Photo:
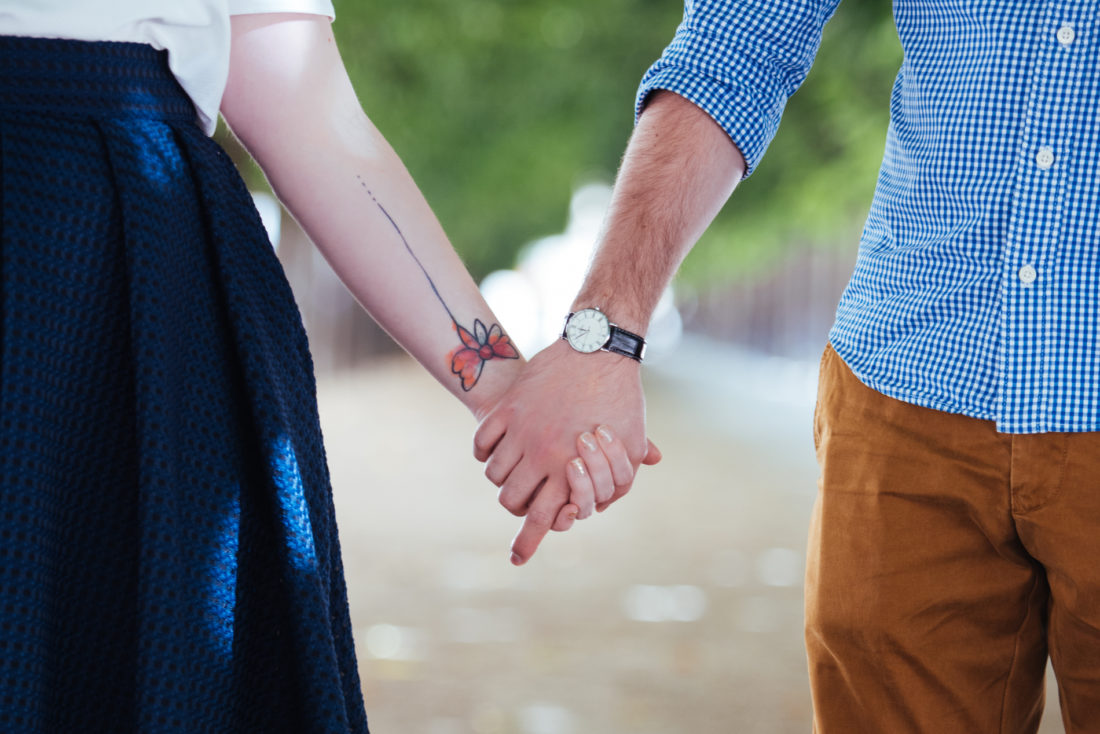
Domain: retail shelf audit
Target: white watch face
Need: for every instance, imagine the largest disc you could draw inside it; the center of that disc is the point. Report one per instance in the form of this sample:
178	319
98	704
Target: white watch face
587	330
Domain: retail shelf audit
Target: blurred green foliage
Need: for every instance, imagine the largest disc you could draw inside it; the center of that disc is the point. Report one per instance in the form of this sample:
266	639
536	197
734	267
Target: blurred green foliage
501	107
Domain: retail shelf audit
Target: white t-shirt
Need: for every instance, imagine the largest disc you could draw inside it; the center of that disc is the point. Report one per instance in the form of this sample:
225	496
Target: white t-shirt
194	32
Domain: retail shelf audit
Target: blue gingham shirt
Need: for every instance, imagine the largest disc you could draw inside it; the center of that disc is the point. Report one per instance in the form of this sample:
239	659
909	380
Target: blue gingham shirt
977	285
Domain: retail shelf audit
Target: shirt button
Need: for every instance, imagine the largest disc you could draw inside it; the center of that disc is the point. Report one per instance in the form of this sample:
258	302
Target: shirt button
1066	34
1044	158
1027	275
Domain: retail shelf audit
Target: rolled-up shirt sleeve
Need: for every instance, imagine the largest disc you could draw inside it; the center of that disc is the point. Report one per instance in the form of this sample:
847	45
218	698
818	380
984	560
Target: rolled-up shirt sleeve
739	61
310	7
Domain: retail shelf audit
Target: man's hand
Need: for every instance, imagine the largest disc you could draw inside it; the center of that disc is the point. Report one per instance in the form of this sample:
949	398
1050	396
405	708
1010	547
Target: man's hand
551	414
679	168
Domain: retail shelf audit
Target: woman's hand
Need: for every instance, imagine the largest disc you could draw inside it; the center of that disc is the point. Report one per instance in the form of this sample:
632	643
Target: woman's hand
602	472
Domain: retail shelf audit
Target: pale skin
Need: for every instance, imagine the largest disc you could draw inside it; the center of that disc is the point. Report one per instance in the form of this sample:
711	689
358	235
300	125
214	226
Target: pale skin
290	102
678	170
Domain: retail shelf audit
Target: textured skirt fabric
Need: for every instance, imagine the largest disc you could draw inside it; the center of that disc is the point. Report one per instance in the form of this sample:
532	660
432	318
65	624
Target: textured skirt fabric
168	553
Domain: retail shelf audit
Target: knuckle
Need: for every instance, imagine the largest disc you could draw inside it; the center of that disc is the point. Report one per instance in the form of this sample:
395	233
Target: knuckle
482	446
492	473
512	503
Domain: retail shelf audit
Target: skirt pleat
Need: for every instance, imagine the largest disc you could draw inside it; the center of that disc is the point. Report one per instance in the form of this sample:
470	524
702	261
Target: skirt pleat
168	552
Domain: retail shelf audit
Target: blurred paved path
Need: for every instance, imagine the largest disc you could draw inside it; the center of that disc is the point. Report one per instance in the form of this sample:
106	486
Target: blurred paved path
678	610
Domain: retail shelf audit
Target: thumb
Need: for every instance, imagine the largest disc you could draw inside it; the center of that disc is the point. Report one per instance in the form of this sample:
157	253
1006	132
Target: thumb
653	455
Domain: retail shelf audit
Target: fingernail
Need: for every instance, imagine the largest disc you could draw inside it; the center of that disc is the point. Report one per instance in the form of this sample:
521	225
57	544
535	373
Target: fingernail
589	441
516	560
605	434
578	466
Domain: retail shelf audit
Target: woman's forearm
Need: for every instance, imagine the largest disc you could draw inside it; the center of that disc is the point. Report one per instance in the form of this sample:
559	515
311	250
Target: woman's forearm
290	102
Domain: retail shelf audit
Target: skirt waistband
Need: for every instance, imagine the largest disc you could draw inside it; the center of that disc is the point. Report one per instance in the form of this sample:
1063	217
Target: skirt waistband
97	79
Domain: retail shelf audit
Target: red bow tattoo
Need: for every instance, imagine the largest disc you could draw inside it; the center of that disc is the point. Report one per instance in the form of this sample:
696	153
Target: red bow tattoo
478	348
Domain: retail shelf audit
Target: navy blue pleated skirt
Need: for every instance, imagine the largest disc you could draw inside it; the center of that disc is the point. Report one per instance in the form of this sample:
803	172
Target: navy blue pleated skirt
168	552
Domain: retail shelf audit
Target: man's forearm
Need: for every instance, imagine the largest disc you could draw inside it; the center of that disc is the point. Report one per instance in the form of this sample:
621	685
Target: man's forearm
678	170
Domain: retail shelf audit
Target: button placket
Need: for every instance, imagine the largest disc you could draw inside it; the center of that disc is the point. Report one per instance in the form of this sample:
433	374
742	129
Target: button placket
1030	266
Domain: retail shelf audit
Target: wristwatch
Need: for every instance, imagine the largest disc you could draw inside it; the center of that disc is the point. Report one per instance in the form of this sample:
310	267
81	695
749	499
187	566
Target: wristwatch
588	330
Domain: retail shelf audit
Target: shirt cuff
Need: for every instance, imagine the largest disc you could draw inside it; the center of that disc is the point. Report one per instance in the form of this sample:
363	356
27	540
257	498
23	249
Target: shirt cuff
749	110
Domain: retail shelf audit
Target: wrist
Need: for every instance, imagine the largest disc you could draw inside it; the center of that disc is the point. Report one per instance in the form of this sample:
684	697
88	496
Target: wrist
631	317
590	329
491	387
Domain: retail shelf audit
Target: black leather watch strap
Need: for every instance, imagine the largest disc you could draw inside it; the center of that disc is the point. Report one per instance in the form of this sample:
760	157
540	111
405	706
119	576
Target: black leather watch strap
619	341
626	343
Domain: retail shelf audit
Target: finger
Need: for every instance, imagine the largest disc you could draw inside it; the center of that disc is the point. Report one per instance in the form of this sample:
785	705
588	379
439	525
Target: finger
653	455
621	468
620	492
566	517
520	489
488	435
540	517
599	470
581	492
504	459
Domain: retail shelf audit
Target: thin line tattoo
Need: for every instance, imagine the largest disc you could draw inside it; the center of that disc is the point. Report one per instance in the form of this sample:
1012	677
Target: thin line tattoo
478	346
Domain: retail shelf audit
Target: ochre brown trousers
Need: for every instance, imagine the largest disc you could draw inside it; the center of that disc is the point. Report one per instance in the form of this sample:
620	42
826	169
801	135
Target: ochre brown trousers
946	561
